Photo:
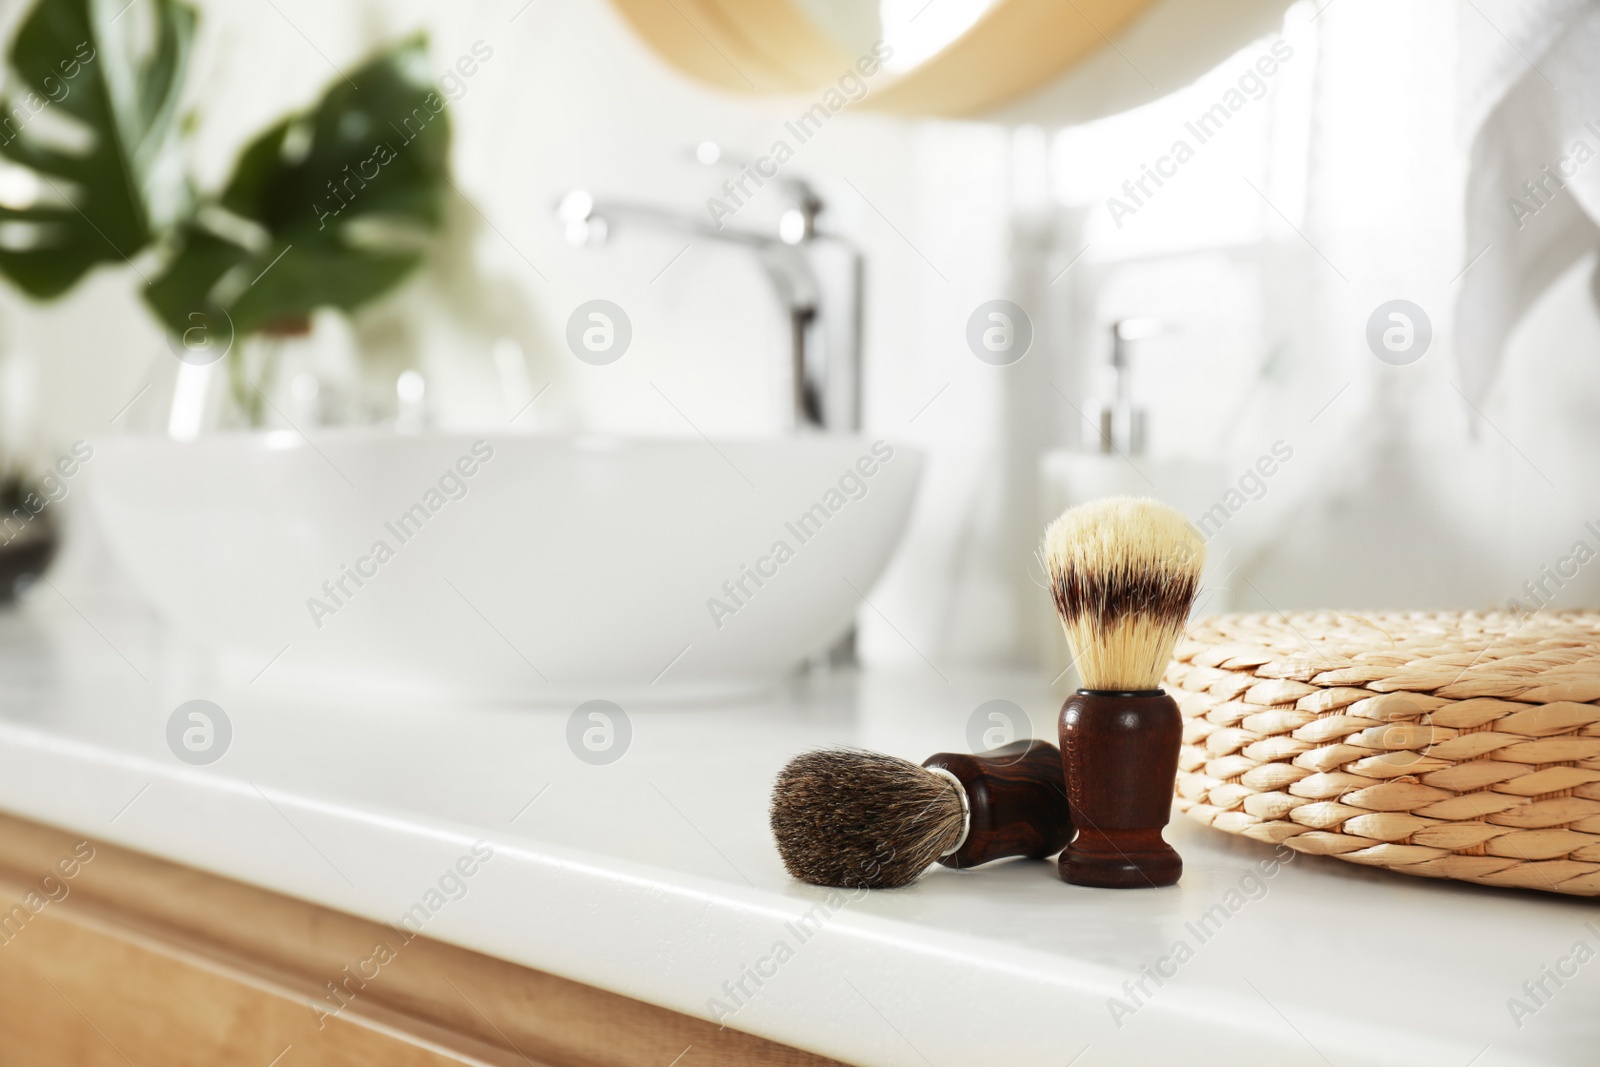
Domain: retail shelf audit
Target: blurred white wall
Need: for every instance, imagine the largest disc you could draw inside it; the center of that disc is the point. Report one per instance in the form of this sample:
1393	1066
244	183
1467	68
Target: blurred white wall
1336	191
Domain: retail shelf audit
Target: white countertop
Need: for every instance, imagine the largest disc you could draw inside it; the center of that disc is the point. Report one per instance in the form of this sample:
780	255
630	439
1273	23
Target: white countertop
655	876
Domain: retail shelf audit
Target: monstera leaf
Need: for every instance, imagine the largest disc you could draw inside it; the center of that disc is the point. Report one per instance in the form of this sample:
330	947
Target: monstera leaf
92	119
328	208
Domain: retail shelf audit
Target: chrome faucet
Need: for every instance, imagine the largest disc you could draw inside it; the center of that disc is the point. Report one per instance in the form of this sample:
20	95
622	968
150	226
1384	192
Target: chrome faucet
817	277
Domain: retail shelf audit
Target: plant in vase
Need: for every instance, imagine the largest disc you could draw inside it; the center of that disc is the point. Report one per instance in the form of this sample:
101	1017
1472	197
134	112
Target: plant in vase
327	208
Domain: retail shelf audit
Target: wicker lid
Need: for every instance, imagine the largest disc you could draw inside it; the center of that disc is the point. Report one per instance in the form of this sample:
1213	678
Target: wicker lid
1442	744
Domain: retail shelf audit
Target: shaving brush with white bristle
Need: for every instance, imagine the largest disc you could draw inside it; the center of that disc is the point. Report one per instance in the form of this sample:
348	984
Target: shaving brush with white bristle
1123	574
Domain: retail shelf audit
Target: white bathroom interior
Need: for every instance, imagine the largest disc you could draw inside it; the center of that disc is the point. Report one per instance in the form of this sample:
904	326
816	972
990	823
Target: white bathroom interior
1203	299
1255	266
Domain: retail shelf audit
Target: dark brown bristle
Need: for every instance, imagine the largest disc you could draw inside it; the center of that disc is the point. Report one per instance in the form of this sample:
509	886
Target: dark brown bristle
1123	575
851	818
1106	597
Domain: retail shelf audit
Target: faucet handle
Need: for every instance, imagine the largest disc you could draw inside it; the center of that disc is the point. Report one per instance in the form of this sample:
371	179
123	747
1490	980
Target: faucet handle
579	221
1125	330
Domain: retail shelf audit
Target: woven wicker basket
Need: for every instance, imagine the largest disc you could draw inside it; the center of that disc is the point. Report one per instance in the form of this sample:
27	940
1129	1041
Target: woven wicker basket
1445	745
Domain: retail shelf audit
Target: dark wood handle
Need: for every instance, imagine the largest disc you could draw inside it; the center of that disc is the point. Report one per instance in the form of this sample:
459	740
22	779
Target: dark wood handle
1018	801
1120	753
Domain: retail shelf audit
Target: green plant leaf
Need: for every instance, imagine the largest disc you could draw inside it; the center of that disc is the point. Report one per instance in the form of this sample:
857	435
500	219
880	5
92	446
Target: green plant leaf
327	208
107	177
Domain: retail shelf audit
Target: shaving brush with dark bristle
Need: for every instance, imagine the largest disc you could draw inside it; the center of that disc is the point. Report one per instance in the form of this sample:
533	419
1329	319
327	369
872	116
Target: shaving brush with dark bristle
851	818
1123	574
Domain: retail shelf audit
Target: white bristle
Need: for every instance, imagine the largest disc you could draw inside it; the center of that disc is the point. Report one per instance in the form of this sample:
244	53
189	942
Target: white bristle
1123	574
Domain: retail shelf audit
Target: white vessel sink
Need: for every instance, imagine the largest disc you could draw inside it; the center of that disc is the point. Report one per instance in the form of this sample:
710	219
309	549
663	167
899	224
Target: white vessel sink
531	569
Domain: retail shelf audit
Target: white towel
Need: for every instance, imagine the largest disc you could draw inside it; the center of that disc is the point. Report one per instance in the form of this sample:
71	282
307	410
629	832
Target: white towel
1533	187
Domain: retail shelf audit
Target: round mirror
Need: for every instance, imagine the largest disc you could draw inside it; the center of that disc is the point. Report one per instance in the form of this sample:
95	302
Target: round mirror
1016	60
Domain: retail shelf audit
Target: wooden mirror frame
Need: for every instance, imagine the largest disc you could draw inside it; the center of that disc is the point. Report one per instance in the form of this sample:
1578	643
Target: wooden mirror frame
772	47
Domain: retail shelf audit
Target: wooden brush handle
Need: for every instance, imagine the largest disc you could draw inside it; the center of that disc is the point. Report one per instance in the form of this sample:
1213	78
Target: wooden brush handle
1017	799
1120	753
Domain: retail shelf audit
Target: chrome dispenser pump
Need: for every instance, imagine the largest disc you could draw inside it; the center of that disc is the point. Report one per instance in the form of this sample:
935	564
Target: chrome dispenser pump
1121	424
